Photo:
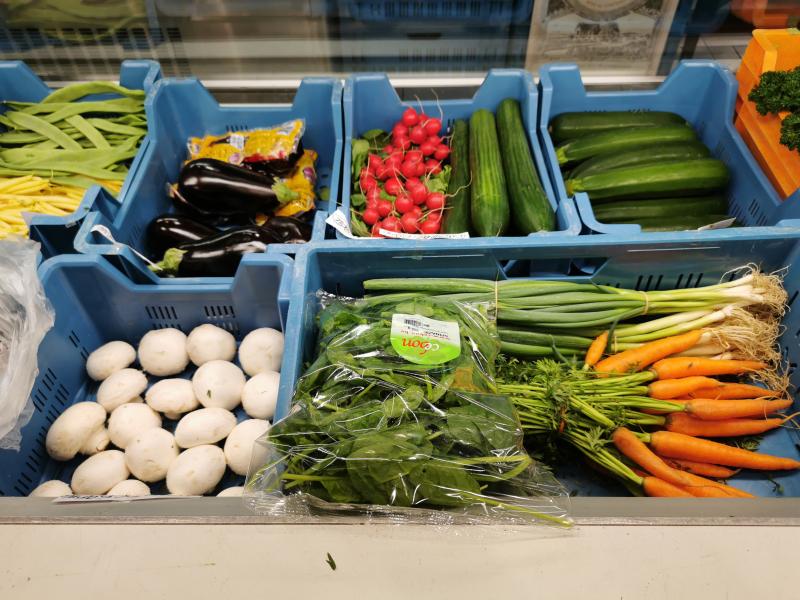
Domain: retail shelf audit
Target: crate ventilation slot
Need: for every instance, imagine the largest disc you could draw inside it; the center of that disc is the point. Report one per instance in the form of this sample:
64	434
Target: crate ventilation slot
76	341
646	285
792	298
158	314
691	280
219	311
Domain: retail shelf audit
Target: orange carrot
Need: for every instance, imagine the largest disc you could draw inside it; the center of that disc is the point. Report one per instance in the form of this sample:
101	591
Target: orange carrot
658	488
674	368
716	410
675	388
596	350
637	359
704	469
678	445
731	391
688	425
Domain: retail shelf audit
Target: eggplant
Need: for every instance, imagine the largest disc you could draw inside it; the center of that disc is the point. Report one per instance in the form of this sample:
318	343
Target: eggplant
217	187
215	256
277	167
167	231
206	218
289	229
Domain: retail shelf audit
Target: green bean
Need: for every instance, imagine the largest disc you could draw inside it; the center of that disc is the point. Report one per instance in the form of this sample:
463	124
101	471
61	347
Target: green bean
46	129
89	132
81	90
112	127
44	170
57	111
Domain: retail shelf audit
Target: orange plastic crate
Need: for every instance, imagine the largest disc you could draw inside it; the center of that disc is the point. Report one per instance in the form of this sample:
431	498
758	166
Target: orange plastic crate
767	14
769	50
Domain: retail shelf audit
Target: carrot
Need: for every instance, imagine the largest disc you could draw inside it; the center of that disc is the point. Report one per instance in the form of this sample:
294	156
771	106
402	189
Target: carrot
667	389
637	359
688	425
678	445
716	410
632	447
658	488
673	368
731	391
706	488
596	350
704	469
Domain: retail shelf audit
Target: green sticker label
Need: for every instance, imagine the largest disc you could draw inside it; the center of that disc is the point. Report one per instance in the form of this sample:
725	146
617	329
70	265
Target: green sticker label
425	341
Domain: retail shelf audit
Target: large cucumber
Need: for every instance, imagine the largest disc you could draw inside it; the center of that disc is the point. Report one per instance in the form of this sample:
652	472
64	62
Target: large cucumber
572	125
456	217
654	208
612	142
489	208
683	178
640	156
530	209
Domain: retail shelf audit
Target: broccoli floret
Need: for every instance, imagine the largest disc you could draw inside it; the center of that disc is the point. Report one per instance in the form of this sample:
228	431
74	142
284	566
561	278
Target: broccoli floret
777	91
790	131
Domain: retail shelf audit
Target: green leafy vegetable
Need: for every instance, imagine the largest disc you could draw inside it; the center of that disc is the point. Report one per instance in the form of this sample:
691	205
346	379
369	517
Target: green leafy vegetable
790	131
777	91
440	182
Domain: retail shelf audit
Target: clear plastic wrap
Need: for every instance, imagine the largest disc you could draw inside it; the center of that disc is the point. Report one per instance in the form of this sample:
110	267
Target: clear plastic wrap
397	418
25	317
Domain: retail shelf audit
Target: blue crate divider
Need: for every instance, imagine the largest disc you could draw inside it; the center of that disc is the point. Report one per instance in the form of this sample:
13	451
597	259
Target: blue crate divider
94	304
371	102
18	82
703	93
496	12
655	263
183	108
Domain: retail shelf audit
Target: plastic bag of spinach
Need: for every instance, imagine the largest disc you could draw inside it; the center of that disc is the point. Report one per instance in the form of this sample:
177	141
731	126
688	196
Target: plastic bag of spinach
397	418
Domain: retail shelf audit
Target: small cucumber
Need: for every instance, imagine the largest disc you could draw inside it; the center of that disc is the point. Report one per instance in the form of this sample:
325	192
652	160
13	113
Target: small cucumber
640	156
653	208
489	207
573	125
613	142
456	217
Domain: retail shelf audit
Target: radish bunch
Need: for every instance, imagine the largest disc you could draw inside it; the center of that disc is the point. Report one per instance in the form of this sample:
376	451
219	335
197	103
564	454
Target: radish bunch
402	181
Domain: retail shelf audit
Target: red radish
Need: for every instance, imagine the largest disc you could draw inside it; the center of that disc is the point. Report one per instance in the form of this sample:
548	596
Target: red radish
442	152
416	211
391	224
420	169
393	186
435	140
384	208
414	156
410	117
399	130
394	160
374	161
427	148
374	194
430	226
370	216
388	149
384	172
432	166
413	182
409	223
367	181
419	194
408	169
417	134
435	215
435	201
403	203
423	117
402	142
376	230
433	126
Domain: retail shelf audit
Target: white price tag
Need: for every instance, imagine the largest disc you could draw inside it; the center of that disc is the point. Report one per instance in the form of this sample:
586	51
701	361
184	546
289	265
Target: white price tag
338	220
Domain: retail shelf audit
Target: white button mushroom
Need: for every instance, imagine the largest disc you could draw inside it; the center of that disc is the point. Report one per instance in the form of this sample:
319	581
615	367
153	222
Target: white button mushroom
128	421
172	397
209	342
239	445
204	426
108	359
99	473
129	487
261	350
196	471
51	489
162	352
121	387
73	428
260	395
231	492
96	442
218	383
150	454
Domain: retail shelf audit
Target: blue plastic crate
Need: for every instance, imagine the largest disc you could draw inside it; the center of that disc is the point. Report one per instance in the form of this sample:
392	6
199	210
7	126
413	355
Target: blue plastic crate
703	93
656	263
18	82
494	12
94	304
370	102
180	109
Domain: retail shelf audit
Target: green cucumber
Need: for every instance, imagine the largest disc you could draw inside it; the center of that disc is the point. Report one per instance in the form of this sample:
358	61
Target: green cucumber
681	178
639	156
653	208
573	125
530	208
613	142
679	223
456	217
489	207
